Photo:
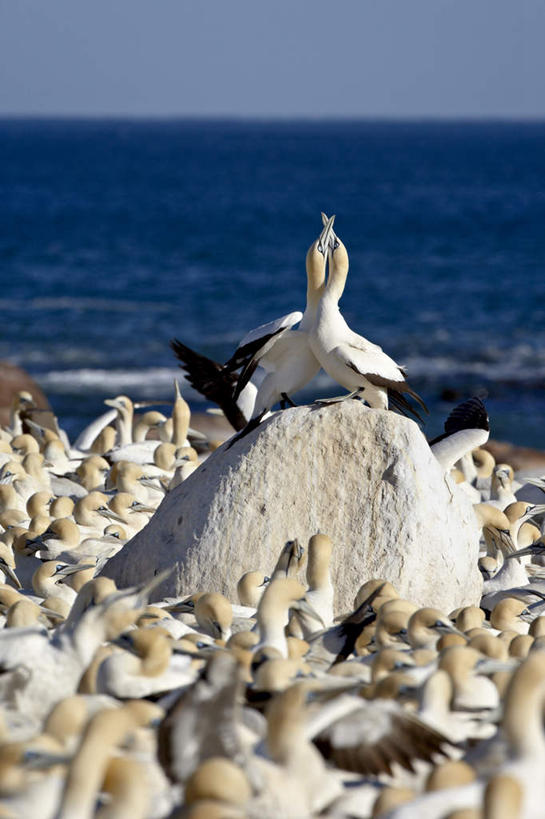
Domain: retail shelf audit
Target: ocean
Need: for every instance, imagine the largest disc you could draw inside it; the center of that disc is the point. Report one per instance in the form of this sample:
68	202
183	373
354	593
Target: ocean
116	235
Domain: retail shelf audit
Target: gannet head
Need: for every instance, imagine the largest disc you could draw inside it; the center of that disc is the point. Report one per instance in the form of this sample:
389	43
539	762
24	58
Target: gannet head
506	615
220	780
291	560
317	256
25	443
250	588
426	626
522	511
7	564
214	614
121	402
37	503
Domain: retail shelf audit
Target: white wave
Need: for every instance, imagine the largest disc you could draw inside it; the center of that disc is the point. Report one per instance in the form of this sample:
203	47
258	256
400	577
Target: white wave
523	366
154	382
83	304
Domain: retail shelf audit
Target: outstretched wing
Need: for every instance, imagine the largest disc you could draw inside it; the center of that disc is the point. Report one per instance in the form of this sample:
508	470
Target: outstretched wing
261	337
210	379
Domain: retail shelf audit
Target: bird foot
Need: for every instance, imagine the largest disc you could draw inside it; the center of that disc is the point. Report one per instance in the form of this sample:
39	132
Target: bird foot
286	401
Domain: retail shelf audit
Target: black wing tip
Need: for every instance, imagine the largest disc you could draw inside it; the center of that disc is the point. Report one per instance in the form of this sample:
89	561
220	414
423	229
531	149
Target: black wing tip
470	414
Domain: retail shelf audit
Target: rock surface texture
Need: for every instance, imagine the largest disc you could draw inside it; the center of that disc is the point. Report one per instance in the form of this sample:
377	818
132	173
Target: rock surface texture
366	478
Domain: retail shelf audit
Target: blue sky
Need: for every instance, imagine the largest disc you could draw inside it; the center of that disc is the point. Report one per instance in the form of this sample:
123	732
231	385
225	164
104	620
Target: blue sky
395	58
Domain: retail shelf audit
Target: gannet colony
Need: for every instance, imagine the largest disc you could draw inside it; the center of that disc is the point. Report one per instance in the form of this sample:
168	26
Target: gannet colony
371	644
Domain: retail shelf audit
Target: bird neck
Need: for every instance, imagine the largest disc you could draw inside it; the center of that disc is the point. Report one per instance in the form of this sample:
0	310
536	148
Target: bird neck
523	708
336	282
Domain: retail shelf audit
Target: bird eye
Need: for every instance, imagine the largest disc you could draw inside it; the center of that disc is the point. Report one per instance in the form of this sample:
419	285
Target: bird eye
190	604
134	503
103	508
438	624
201	645
59	567
115	534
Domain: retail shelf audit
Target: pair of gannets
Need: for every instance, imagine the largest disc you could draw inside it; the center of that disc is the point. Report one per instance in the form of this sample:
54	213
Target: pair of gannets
292	357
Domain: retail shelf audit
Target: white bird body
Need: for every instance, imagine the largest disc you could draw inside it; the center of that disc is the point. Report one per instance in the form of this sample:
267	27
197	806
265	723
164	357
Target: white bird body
345	355
121	676
350	359
285	353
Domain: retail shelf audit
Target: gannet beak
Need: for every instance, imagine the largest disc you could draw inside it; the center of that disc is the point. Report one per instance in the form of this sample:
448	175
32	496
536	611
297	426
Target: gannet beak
488	665
324	237
305	608
140	507
333	242
8	571
445	628
532	549
111	402
38	760
66	571
113	516
538	509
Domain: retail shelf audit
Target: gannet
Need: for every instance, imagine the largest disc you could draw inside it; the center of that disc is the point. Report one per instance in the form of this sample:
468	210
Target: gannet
291	560
472	690
124	418
501	490
426	626
7	564
335	644
466	428
250	588
283	352
146	666
351	360
107	730
92	471
50	579
280	596
369	737
92	514
24	443
320	590
62	507
291	777
62	535
222	782
128	788
203	721
20	402
506	615
214	615
393	623
49	668
132	514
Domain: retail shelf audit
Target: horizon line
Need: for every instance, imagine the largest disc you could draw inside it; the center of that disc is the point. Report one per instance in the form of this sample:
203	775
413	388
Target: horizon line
311	118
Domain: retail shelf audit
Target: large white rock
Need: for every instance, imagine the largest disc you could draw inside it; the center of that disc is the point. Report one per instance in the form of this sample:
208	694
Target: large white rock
365	477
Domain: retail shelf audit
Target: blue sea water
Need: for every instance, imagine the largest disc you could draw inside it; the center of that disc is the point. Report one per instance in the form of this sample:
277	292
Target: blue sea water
117	235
